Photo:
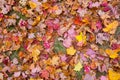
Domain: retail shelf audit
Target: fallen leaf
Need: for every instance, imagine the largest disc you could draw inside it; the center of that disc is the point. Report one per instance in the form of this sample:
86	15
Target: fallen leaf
15	61
101	37
78	66
36	21
63	57
46	5
81	38
32	4
112	53
55	60
91	53
111	28
89	77
1	76
58	47
62	76
113	75
21	16
35	53
117	32
17	74
72	32
103	78
71	51
14	54
67	42
46	44
79	74
77	21
44	74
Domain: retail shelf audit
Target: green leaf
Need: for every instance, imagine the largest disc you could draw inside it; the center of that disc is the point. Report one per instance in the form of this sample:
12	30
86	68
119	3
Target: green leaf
58	47
10	28
21	49
21	15
117	32
98	74
10	74
14	54
104	46
79	74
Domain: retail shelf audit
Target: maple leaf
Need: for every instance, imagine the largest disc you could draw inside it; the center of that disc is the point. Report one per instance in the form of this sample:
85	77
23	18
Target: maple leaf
36	21
78	66
58	47
35	52
55	60
113	75
45	74
81	38
79	74
111	28
32	4
112	53
117	32
71	51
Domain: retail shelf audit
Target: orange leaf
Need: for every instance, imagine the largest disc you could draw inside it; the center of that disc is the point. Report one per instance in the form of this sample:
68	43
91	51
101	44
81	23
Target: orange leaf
77	21
21	54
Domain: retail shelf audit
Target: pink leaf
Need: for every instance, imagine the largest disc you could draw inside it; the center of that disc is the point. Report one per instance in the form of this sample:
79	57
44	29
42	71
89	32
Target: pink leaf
89	77
99	25
17	74
63	57
86	69
71	32
103	78
46	45
91	53
67	42
45	74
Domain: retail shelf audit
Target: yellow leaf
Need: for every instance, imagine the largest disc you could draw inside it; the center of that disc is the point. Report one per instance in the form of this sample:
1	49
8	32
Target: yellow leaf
81	38
78	66
112	53
71	51
55	60
113	75
35	53
111	28
32	4
36	21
